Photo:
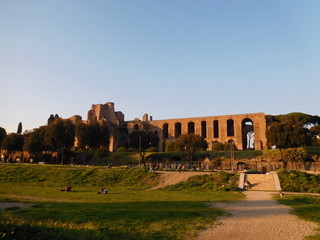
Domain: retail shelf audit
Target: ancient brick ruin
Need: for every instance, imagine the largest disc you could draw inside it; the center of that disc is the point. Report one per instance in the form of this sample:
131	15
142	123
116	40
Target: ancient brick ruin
239	128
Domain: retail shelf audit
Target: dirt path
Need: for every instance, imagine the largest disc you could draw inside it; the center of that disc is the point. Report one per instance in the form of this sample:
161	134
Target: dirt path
170	178
258	217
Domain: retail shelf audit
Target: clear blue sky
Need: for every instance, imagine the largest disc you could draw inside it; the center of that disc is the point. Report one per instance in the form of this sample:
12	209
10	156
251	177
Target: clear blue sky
168	58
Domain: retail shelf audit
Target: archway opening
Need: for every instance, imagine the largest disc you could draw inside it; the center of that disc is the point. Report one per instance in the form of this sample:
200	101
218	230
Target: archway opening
190	127
165	130
204	129
230	128
247	134
177	130
215	128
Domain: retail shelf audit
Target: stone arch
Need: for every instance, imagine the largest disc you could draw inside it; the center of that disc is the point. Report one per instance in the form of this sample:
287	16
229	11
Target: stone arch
216	129
165	130
230	128
177	129
204	129
136	127
247	129
190	127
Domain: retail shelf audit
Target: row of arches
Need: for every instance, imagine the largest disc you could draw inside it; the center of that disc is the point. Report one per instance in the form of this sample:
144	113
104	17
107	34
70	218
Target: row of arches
247	130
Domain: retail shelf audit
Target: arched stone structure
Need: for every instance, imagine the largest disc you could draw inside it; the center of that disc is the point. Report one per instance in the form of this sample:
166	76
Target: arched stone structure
212	128
217	128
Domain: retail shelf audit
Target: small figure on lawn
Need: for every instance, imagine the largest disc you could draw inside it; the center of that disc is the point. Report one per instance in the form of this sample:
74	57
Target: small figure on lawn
247	184
103	191
67	189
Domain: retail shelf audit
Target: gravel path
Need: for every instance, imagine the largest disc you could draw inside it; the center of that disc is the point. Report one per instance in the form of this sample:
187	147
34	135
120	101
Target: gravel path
258	218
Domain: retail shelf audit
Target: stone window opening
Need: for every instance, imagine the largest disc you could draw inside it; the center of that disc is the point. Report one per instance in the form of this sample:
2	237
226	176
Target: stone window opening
177	130
230	128
204	129
190	127
165	130
215	128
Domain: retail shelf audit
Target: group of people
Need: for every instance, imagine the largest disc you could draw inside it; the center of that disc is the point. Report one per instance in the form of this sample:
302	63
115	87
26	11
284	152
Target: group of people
69	188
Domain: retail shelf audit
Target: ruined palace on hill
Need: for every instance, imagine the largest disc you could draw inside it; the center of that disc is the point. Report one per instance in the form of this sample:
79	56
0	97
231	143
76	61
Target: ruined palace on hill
228	128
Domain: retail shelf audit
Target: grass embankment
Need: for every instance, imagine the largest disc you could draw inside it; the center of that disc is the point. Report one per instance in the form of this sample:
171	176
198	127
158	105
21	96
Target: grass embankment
296	181
126	212
305	207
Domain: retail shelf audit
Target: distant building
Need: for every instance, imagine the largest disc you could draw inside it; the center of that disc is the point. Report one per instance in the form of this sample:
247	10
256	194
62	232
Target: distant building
246	131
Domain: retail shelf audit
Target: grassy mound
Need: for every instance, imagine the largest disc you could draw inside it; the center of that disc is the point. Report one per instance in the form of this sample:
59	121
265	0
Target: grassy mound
219	181
81	176
296	181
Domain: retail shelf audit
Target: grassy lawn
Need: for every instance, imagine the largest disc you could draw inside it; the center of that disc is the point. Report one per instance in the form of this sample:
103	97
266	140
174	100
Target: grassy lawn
305	207
126	212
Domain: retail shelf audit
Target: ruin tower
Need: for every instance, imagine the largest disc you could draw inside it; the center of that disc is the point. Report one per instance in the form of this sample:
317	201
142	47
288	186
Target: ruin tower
106	113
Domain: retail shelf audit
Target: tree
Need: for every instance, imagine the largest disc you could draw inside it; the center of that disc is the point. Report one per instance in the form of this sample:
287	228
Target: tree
288	134
35	142
19	131
295	155
191	143
52	118
60	136
217	146
3	135
93	136
141	141
13	143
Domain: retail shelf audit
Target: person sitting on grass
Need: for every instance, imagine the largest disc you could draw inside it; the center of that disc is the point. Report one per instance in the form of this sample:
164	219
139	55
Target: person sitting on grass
67	189
103	191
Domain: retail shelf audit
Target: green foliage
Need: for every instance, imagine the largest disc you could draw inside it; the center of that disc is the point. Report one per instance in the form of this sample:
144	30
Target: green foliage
3	135
13	142
81	176
60	134
35	141
170	146
221	181
217	146
19	130
191	143
93	135
291	130
295	155
141	140
228	145
296	181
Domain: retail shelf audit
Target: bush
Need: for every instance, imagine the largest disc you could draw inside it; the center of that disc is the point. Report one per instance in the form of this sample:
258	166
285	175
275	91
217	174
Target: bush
296	181
217	146
217	181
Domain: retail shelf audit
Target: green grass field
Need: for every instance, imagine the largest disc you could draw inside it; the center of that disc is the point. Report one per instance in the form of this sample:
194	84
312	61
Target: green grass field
126	212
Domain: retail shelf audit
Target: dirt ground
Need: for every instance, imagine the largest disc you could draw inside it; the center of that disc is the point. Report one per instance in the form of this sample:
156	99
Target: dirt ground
170	178
258	217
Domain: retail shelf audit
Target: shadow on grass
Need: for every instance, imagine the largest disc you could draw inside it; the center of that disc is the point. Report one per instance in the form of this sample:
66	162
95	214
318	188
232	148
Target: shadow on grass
126	220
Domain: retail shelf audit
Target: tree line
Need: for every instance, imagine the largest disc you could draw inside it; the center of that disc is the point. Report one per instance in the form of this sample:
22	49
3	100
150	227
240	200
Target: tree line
285	132
57	137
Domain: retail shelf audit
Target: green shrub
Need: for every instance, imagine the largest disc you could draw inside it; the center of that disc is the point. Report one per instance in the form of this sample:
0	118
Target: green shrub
217	181
296	181
217	146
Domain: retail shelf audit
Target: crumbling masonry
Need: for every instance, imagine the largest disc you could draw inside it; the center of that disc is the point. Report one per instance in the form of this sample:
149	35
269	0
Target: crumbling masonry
239	128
